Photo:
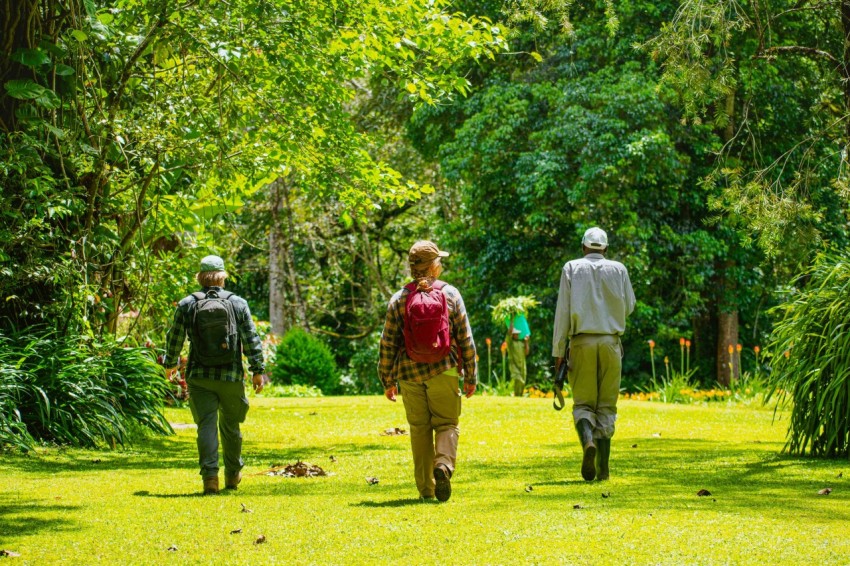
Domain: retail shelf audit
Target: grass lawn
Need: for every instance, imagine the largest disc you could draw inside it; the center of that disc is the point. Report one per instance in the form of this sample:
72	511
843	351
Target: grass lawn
128	507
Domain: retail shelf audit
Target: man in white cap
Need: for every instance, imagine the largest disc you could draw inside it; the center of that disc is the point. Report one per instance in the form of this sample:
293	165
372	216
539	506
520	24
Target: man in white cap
219	326
594	300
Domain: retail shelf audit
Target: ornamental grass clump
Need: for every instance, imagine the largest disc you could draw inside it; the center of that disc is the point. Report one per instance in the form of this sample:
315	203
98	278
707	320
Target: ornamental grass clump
69	389
814	369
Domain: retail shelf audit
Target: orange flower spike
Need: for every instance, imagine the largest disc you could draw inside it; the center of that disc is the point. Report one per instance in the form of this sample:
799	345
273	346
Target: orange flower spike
787	354
504	347
681	341
756	349
731	349
687	343
739	348
488	341
651	344
666	360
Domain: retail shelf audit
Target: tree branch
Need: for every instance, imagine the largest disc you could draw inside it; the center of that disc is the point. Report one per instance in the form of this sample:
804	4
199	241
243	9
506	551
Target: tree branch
798	50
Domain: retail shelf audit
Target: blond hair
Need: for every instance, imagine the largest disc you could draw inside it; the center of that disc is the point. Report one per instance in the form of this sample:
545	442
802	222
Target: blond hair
425	274
211	278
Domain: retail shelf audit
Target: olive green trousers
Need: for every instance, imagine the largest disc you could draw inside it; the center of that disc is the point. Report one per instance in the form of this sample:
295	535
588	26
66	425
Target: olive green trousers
594	376
433	413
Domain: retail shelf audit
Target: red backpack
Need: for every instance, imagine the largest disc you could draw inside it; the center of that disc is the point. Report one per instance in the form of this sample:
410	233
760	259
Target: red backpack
427	334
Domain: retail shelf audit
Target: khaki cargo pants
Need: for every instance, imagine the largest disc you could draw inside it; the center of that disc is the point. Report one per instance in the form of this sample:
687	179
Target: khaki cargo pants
221	403
433	413
594	376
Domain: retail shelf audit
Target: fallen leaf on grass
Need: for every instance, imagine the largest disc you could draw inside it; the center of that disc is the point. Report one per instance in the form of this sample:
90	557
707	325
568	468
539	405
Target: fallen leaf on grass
703	493
96	461
9	553
297	470
371	480
333	458
840	474
825	491
395	431
656	435
313	414
577	506
634	445
235	531
528	488
173	548
260	539
245	509
606	494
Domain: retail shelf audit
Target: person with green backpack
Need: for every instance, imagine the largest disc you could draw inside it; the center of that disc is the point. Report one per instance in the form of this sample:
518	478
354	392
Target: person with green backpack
219	326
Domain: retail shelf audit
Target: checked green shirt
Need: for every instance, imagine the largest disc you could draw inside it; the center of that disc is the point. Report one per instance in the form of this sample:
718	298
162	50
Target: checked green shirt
249	342
393	363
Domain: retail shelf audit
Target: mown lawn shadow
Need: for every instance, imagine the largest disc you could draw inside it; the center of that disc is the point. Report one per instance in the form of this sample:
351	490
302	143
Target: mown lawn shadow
26	517
393	502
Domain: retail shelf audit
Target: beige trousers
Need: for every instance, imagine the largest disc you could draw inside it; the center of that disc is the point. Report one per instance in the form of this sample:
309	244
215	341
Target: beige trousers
594	376
433	413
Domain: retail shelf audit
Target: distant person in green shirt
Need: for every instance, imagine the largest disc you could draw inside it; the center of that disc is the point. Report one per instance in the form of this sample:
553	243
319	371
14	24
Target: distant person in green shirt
518	348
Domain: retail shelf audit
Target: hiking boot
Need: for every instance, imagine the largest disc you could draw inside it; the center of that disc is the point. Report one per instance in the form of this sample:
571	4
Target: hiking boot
211	485
443	490
585	435
231	482
603	452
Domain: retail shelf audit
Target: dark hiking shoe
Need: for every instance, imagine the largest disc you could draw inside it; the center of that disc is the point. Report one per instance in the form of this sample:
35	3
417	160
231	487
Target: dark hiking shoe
443	490
232	482
603	452
211	485
588	462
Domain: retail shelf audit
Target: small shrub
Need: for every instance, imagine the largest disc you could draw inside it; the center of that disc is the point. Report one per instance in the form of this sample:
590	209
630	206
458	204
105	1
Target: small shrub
362	375
300	391
303	359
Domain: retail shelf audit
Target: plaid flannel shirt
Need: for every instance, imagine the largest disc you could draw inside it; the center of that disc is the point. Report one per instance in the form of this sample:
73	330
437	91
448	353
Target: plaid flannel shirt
249	341
393	363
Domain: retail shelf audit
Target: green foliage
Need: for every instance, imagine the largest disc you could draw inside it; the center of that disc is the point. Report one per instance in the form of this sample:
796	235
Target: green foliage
69	390
814	368
361	378
508	308
303	359
295	391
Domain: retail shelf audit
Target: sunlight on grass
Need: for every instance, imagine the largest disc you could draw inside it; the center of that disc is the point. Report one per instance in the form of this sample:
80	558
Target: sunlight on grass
79	506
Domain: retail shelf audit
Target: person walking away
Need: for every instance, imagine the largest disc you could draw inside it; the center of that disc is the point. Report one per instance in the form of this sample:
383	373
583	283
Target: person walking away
219	326
518	340
426	346
594	299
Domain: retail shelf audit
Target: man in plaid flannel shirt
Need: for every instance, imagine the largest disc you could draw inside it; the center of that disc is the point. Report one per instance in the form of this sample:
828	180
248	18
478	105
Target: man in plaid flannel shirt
429	391
217	389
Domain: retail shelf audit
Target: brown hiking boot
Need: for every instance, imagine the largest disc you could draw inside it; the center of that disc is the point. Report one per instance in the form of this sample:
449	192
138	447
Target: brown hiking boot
443	489
211	485
232	482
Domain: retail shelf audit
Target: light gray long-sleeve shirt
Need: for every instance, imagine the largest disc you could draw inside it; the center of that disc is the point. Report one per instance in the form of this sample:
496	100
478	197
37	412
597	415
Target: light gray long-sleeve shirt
595	297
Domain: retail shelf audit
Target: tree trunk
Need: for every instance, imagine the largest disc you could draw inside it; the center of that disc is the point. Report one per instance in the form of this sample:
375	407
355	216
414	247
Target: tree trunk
727	337
278	316
845	75
300	305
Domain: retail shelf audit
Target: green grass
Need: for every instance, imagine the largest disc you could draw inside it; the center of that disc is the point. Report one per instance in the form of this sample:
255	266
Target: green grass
128	507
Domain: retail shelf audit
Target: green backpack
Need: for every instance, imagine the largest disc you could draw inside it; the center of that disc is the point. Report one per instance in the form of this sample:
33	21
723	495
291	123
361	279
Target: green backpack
214	338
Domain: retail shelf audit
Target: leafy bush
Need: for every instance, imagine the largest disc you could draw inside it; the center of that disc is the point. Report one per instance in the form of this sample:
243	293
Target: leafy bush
300	391
362	375
814	367
70	390
303	359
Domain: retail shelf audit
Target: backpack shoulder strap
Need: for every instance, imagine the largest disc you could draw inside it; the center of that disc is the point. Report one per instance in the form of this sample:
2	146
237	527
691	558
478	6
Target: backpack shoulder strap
411	287
438	285
225	295
199	296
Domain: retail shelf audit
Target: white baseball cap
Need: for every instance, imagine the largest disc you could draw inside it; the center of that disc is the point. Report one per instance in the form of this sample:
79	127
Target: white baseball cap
595	238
